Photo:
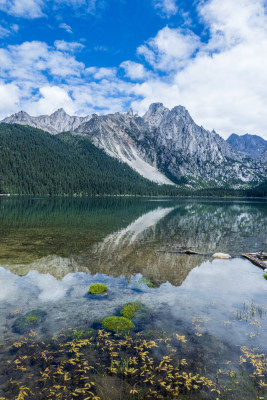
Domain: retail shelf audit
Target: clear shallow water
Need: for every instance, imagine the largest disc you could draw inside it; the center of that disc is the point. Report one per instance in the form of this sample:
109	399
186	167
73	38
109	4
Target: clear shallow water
51	250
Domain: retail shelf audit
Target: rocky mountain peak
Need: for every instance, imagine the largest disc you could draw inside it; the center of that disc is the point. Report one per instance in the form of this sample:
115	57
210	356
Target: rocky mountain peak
155	114
59	112
130	112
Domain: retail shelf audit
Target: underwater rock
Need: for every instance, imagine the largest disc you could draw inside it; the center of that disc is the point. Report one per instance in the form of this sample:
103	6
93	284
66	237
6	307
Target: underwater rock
31	320
222	256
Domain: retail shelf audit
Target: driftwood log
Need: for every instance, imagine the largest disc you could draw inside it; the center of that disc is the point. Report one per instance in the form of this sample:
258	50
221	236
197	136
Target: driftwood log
257	259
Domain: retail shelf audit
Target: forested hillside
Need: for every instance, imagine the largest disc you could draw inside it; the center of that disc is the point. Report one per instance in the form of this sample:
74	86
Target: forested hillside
34	162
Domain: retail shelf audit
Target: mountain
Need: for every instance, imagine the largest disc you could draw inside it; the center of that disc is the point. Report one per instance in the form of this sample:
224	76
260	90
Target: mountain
55	123
164	146
252	145
36	163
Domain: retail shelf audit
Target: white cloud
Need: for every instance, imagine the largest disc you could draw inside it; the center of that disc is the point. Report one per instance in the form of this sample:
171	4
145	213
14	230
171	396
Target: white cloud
53	98
170	49
23	8
66	27
10	95
133	70
166	7
45	78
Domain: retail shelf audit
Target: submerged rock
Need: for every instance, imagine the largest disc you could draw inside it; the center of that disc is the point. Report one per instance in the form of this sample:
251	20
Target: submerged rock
222	256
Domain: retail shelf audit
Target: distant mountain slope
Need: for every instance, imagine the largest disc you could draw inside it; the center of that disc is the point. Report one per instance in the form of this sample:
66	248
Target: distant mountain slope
34	162
252	145
164	146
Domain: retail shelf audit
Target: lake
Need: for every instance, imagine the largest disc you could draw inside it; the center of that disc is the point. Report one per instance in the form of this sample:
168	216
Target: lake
53	249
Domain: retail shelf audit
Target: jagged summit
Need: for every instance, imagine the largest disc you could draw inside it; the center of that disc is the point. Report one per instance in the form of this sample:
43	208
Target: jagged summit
165	146
59	111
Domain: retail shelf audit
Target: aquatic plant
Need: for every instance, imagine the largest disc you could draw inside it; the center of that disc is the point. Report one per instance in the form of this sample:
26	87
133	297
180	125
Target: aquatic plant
114	366
97	288
117	324
129	310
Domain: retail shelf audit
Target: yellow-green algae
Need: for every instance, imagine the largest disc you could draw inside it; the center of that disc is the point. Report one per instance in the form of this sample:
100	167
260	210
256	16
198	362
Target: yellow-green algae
97	288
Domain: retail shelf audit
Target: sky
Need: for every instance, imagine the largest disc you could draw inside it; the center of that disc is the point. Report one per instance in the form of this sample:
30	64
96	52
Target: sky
105	56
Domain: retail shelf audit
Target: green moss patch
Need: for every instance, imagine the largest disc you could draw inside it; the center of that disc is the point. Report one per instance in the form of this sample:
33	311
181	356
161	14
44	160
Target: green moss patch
129	310
117	324
97	288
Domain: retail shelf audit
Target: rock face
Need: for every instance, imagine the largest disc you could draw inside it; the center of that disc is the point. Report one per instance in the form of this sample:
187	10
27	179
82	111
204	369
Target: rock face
252	145
165	146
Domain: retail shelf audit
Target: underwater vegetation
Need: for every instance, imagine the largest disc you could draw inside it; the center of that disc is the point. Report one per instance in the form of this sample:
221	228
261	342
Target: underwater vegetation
97	288
25	323
117	324
82	334
116	366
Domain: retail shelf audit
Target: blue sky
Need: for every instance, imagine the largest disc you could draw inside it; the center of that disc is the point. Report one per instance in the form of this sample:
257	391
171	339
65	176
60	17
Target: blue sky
107	55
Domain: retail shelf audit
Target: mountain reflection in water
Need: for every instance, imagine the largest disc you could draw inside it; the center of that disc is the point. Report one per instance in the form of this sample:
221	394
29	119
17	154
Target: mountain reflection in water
122	237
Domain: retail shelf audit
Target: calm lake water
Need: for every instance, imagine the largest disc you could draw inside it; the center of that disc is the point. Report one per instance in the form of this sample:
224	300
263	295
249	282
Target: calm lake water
52	250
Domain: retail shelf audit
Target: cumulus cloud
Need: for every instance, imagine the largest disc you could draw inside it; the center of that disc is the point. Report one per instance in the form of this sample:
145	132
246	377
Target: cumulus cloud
133	70
166	7
170	49
23	8
53	98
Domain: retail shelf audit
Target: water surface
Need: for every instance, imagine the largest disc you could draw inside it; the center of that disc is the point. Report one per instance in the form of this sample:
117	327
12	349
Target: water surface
51	250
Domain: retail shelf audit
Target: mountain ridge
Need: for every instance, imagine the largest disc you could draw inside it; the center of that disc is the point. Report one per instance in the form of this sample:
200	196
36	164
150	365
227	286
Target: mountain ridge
252	145
164	146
